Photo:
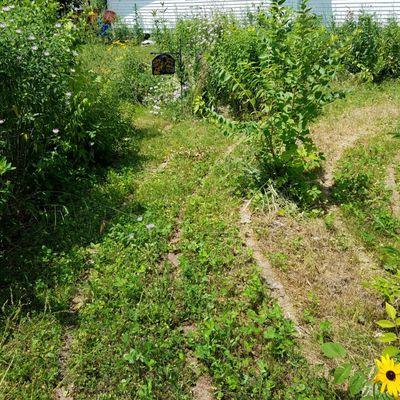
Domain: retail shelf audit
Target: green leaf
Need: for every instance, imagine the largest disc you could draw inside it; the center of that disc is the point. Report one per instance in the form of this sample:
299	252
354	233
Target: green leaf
341	373
270	333
333	350
387	337
391	351
391	311
386	324
357	383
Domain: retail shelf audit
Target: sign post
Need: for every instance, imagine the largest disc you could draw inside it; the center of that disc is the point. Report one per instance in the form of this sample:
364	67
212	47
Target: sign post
164	64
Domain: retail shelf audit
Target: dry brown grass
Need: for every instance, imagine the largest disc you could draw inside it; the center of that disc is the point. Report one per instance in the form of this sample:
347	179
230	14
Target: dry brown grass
335	134
323	272
320	264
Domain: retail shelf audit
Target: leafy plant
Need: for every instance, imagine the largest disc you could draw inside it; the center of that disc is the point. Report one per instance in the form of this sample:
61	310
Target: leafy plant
357	383
276	85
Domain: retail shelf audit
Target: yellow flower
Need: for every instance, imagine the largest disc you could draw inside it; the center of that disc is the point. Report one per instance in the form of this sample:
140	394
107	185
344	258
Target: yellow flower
389	375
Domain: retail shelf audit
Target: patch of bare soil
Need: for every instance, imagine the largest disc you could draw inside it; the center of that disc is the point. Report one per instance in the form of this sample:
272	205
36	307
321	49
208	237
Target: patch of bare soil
203	389
393	186
64	391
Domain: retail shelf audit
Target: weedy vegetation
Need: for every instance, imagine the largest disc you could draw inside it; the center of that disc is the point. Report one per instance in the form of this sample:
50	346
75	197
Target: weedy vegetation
123	268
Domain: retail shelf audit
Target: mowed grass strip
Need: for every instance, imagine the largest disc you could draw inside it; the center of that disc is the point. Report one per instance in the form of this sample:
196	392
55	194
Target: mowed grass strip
145	318
37	309
129	341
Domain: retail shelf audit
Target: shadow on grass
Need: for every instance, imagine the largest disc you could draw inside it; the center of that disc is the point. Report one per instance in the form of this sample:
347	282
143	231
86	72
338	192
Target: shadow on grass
50	253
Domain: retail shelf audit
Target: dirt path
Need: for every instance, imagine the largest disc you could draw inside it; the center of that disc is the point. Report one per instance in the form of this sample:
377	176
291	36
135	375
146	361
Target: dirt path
334	136
314	266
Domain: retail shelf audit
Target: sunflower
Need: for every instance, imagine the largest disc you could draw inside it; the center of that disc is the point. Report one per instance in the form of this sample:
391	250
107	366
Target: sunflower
389	375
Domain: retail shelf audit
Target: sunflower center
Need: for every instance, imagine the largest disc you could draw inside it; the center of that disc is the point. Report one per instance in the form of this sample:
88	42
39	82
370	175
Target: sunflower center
390	375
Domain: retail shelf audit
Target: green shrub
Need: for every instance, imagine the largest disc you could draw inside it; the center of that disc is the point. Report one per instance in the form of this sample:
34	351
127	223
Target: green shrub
133	79
364	36
123	32
54	121
276	77
389	52
374	48
36	65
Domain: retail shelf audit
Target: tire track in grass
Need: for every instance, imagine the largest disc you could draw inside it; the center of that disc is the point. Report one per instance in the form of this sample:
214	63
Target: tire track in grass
278	291
335	135
203	388
392	186
66	391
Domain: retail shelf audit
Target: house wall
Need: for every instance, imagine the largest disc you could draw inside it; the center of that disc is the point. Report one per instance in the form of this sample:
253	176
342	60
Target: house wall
383	9
171	10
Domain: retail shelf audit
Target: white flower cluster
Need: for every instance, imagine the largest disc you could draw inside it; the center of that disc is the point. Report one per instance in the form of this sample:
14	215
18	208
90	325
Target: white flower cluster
167	90
7	8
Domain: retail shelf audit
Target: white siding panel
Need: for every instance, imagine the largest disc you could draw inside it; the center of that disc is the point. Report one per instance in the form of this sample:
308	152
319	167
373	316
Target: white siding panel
382	9
171	10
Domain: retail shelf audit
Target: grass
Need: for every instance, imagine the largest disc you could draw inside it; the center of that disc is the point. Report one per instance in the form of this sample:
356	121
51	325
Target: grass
327	257
142	287
95	306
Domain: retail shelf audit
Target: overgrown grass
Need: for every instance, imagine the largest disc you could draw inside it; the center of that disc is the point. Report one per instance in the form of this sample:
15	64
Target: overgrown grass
367	201
138	319
94	302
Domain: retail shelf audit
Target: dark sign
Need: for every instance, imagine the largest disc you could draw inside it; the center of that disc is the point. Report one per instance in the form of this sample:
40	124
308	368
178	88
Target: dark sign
163	64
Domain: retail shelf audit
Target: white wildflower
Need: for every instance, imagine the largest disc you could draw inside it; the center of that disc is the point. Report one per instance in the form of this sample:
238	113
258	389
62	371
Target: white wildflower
2	25
150	226
34	48
19	31
139	219
46	53
56	130
6	8
57	25
31	37
2	121
68	94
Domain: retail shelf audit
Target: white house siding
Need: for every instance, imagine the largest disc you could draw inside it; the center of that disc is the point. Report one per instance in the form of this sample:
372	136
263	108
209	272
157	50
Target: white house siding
171	10
382	9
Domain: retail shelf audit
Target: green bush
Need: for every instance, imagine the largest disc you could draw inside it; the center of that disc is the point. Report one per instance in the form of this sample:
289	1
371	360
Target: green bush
36	65
121	31
389	51
133	79
363	34
374	48
275	77
54	121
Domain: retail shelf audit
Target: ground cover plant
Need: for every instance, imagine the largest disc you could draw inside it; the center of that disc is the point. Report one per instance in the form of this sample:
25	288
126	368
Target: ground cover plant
165	222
